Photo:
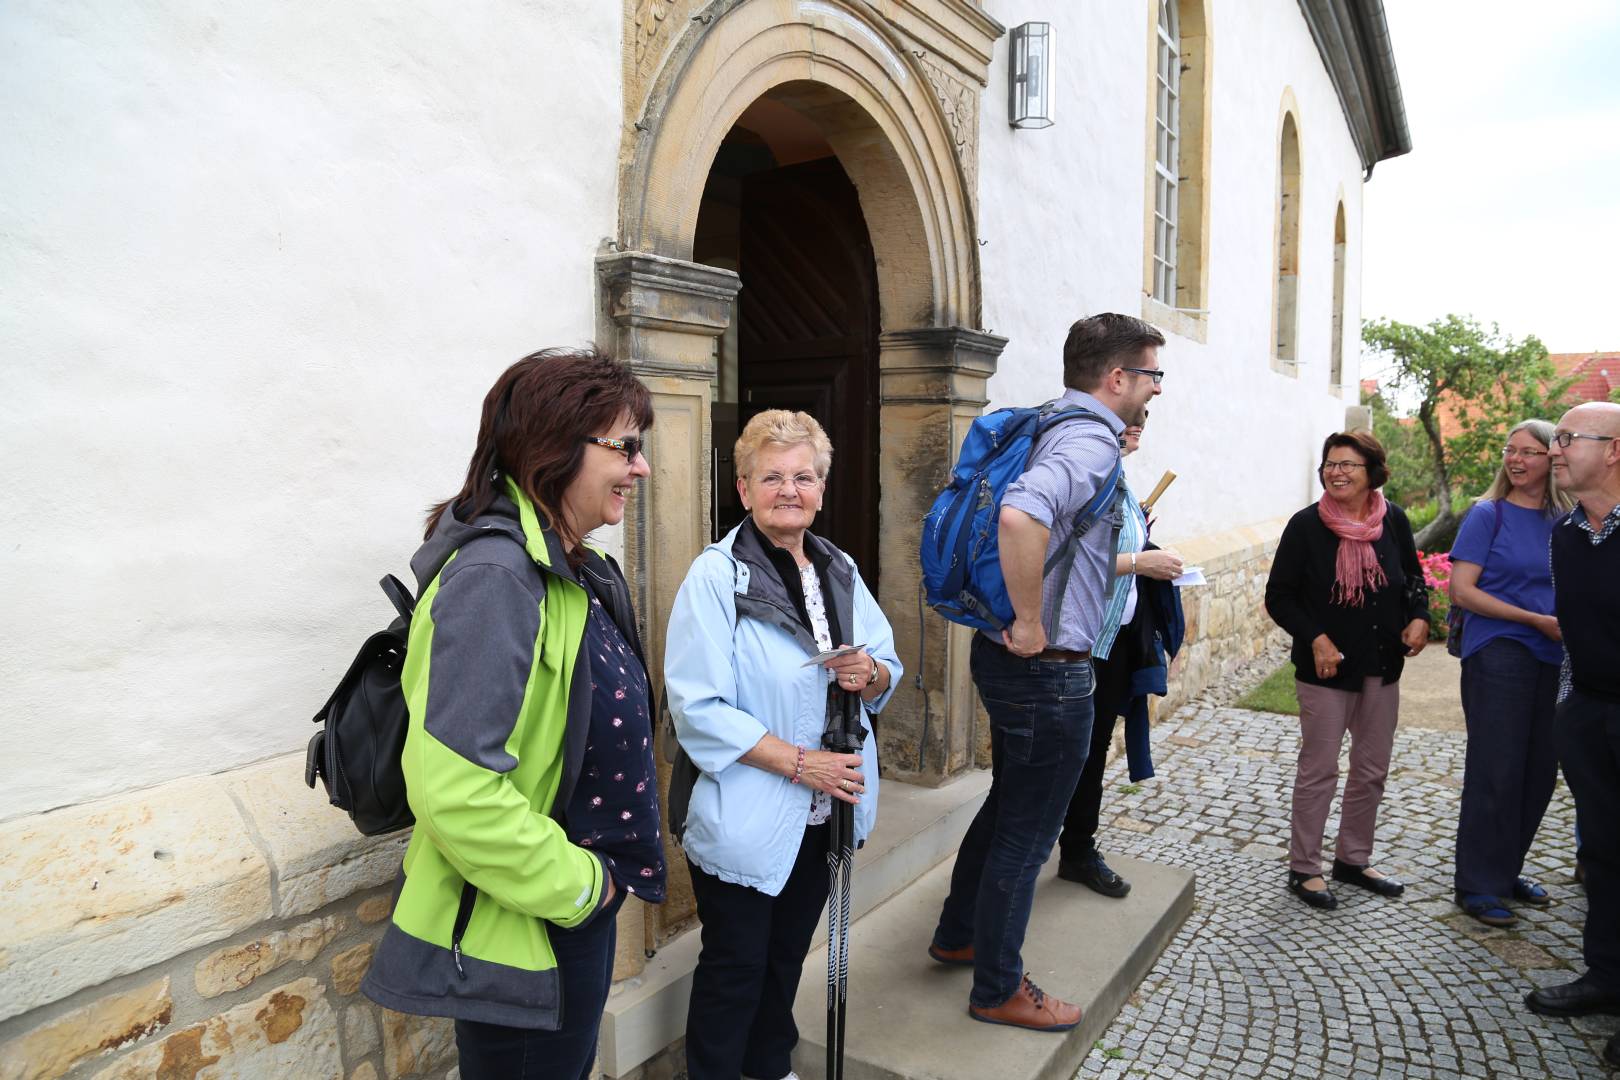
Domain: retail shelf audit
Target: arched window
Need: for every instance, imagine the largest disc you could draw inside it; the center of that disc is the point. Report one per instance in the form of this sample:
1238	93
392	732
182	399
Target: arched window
1285	312
1336	368
1177	167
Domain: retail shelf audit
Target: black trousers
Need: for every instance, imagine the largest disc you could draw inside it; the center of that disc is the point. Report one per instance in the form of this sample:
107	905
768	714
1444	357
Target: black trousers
740	1019
1587	730
1079	837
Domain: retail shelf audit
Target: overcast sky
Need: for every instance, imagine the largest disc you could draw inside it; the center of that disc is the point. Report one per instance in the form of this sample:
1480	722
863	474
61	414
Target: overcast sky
1508	207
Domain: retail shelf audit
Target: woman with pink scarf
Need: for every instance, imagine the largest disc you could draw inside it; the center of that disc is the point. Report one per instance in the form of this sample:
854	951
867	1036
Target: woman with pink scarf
1347	585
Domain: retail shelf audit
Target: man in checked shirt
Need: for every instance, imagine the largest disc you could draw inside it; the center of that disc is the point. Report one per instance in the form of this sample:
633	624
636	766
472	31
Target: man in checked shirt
1585	455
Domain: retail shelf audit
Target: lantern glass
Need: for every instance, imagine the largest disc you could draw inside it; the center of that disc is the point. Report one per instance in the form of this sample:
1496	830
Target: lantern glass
1029	76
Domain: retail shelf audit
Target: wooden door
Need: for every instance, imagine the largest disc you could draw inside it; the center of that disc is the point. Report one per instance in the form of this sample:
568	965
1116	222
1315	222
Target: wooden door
808	330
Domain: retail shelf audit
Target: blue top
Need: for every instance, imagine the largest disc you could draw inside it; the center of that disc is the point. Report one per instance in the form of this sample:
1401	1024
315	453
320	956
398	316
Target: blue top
614	809
1514	569
734	671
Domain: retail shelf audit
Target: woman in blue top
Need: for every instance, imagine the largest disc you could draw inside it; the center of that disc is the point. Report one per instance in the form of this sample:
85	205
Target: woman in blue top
1510	656
750	711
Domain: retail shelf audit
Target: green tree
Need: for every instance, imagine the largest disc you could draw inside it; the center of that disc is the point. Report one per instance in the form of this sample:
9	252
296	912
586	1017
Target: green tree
1411	468
1487	380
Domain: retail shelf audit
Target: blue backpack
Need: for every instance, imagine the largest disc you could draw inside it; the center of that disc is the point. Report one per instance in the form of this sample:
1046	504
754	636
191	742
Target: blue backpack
960	548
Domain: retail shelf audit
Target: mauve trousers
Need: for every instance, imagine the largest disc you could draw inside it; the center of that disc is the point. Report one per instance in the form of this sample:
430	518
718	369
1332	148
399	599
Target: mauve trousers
1325	714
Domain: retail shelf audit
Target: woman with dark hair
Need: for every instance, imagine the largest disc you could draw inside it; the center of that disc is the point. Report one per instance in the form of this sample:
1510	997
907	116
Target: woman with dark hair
1511	651
1347	585
528	761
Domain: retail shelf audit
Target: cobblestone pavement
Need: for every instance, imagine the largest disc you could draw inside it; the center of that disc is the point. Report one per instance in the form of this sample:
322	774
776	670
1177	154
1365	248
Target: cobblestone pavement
1256	984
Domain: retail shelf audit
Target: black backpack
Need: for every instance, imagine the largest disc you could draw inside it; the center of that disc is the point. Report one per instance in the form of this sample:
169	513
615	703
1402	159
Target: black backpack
356	754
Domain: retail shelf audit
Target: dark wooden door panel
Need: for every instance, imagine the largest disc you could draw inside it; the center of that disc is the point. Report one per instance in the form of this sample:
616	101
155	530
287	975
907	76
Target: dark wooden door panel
808	328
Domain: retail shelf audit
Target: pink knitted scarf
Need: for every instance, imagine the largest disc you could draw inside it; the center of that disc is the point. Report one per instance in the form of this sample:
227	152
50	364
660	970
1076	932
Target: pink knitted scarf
1356	568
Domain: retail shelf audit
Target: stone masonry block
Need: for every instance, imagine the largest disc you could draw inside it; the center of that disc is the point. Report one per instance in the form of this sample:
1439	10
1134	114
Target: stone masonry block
235	967
364	1071
375	909
111	887
360	1031
101	1026
316	854
289	1032
413	1044
349	967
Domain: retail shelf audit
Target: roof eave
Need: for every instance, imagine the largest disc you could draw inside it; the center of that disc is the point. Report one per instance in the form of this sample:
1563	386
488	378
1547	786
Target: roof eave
1354	41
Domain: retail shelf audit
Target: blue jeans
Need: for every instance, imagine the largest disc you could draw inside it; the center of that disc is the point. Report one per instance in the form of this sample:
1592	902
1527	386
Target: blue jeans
1040	727
1512	764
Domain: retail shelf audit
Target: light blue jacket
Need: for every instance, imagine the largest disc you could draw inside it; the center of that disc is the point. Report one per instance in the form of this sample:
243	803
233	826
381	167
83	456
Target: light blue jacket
732	673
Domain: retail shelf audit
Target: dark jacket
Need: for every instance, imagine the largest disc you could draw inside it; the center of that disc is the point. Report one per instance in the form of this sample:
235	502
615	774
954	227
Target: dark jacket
1299	599
1143	651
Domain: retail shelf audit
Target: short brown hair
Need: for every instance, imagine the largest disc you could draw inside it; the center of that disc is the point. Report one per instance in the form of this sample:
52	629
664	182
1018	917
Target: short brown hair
1370	449
1098	344
533	428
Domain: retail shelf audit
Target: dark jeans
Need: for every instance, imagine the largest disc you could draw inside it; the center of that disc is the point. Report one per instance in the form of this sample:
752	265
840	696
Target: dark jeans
1040	727
1587	731
1078	841
1511	769
585	961
740	1019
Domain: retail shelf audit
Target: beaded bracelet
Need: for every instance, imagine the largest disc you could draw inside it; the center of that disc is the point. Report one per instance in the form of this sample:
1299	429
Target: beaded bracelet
798	769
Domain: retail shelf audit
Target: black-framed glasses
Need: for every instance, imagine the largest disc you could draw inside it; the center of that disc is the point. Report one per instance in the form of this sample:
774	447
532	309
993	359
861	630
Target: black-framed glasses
1156	374
1564	438
630	447
1342	466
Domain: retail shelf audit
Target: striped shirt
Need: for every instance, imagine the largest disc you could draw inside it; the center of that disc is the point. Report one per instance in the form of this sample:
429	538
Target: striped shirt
1122	597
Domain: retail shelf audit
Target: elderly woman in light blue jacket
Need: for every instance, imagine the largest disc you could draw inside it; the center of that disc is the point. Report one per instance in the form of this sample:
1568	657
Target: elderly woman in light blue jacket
753	608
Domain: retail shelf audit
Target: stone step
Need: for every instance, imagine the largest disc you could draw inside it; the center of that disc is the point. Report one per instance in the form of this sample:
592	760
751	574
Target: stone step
918	827
907	1015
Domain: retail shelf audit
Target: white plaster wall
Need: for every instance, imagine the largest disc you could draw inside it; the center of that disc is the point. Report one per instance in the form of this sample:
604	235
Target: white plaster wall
258	265
1062	211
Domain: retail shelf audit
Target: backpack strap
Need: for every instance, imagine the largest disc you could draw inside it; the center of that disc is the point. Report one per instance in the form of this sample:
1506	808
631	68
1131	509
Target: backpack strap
1110	496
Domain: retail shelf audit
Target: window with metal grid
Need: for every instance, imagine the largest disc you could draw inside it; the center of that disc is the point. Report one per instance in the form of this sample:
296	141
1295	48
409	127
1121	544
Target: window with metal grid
1167	154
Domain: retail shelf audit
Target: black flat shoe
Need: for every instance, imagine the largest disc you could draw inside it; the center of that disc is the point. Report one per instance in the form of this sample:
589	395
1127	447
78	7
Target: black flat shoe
1095	874
1321	899
1582	997
1357	876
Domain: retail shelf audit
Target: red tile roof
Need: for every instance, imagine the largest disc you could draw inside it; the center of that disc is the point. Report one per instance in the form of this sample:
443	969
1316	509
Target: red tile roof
1596	375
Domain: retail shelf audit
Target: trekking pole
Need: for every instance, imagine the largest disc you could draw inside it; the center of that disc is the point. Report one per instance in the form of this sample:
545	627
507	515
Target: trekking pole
844	735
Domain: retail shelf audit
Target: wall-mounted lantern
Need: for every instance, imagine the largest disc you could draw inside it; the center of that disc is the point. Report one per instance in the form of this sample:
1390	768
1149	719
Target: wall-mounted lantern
1029	76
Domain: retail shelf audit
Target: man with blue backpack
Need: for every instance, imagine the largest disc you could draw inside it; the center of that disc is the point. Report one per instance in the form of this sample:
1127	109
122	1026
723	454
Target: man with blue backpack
1021	546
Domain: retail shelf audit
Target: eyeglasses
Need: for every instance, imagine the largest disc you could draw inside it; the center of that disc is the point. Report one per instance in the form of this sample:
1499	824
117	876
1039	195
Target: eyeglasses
1563	438
776	481
631	448
1342	466
1156	374
1514	451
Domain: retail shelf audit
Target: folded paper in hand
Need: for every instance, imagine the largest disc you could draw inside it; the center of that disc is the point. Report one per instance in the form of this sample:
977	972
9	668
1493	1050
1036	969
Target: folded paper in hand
1192	575
832	654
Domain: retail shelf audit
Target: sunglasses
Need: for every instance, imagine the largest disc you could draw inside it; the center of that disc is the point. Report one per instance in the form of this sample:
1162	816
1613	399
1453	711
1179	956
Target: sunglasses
630	448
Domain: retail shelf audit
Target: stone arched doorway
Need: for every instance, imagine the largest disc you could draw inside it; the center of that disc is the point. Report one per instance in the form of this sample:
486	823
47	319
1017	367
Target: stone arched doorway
895	95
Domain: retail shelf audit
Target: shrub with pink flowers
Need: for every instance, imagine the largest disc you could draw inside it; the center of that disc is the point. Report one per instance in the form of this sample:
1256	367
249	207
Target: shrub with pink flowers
1437	576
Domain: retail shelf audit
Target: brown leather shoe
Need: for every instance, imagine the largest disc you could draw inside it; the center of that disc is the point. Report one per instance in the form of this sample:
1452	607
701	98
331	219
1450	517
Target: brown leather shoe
962	957
1031	1007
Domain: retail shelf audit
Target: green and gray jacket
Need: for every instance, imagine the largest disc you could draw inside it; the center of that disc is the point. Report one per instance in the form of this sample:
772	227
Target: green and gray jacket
499	698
